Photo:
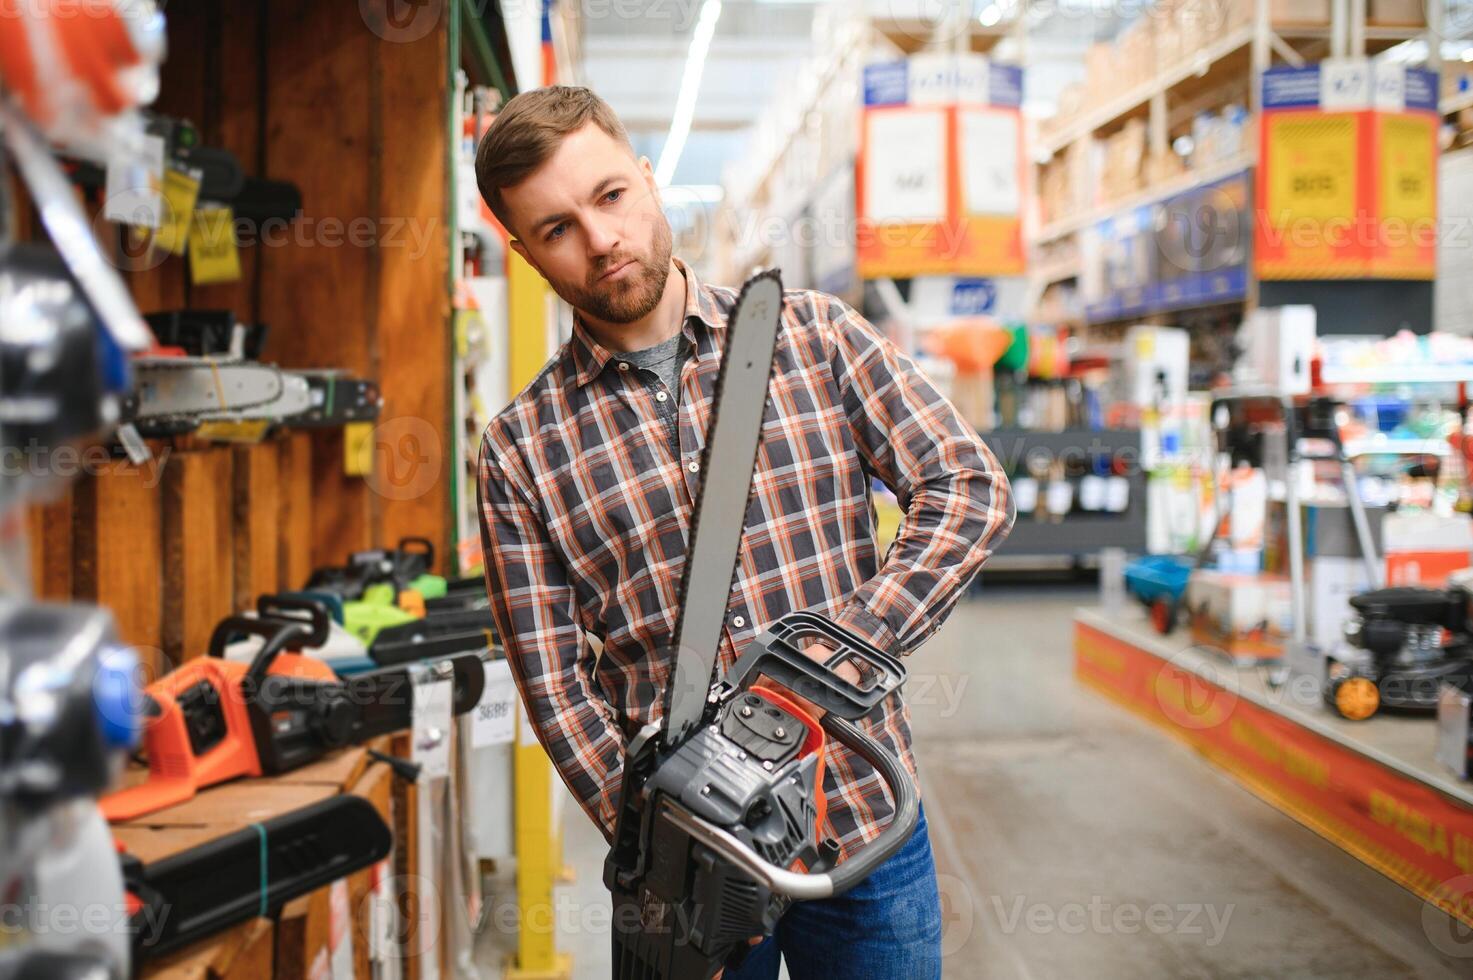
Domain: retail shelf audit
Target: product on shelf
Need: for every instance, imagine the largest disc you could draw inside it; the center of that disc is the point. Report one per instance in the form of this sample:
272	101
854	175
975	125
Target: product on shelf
214	719
256	870
1400	647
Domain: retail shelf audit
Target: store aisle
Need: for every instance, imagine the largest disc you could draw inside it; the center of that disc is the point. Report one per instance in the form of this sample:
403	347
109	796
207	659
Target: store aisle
1074	840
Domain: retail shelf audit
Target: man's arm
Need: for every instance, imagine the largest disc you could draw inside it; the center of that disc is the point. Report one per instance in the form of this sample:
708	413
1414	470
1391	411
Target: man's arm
957	501
535	612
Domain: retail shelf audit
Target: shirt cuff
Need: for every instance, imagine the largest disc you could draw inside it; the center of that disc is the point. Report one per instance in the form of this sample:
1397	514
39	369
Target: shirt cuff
857	619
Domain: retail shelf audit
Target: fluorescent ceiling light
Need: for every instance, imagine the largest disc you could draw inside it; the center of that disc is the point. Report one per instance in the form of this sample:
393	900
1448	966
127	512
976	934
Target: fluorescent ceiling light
690	86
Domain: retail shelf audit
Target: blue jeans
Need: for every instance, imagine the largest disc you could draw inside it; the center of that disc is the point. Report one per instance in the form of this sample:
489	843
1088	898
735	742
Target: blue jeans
886	927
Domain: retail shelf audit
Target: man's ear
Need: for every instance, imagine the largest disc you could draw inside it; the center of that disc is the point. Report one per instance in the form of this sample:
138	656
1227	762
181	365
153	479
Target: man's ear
520	249
647	171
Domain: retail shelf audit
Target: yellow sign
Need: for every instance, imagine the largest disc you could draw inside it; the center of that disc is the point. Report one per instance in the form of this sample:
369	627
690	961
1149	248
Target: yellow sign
213	256
234	430
358	448
181	191
1312	168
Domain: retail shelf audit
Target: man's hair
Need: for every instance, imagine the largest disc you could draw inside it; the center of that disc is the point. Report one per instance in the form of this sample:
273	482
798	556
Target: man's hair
528	130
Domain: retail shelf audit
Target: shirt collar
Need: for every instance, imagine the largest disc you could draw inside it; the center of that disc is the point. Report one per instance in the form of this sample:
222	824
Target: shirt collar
590	357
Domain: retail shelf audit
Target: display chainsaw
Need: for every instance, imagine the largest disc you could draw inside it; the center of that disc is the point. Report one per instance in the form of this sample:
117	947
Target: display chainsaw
1402	645
717	831
204	372
215	719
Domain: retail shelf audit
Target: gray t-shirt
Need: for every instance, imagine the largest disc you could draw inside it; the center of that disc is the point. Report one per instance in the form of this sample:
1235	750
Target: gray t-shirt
664	359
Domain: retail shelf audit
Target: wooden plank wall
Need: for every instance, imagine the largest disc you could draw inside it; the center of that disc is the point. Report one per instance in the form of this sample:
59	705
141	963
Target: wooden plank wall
314	93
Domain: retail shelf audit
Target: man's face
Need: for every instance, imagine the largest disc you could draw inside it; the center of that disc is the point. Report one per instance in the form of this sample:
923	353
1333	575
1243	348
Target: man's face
589	221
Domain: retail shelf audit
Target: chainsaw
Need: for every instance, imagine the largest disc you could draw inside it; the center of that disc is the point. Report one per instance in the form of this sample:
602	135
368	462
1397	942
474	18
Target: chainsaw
216	719
206	889
721	804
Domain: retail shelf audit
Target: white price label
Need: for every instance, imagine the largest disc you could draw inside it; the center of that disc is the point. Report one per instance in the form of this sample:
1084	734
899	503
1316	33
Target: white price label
431	731
133	192
494	719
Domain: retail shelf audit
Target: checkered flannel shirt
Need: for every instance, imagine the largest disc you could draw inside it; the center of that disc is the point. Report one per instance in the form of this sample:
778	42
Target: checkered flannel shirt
587	481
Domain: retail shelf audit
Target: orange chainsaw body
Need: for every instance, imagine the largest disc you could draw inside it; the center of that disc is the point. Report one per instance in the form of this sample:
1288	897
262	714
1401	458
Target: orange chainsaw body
175	771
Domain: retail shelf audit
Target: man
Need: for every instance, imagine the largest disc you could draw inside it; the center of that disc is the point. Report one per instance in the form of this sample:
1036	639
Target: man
588	478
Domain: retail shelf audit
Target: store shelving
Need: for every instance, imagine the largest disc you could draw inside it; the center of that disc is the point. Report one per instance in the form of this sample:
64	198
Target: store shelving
1192	178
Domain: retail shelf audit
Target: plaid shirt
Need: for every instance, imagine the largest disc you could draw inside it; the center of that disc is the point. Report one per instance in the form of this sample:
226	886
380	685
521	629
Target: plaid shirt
587	481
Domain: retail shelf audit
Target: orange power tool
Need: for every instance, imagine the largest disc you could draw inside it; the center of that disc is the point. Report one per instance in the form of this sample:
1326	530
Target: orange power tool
214	719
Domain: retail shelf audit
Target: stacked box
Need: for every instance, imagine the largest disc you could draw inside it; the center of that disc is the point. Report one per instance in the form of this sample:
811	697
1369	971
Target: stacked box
1396	13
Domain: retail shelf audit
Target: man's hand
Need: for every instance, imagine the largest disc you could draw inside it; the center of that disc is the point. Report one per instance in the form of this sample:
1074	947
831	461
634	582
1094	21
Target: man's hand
846	670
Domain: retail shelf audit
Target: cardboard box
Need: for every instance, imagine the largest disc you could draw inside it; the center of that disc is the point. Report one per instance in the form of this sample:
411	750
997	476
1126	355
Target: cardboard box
1423	548
1396	13
1246	618
1301	13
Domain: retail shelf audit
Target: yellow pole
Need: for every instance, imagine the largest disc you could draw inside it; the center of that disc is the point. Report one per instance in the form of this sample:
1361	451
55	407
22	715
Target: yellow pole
538	839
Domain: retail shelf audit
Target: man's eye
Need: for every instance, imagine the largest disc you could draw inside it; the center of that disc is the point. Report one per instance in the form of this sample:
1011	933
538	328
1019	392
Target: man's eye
613	195
556	232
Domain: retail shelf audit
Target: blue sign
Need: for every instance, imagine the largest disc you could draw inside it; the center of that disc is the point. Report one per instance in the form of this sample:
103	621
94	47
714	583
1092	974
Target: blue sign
1421	89
887	83
970	297
1005	85
1285	87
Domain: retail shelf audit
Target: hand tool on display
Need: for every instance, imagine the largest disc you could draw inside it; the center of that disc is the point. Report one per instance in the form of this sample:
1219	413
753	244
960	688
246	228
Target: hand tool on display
214	719
196	893
69	714
722	805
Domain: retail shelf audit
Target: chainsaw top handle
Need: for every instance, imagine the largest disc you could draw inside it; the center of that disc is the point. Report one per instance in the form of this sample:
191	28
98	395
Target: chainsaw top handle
806	887
278	634
422	546
317	615
778	654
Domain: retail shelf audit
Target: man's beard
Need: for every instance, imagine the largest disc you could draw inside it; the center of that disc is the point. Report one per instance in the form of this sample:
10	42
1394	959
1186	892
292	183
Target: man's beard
634	296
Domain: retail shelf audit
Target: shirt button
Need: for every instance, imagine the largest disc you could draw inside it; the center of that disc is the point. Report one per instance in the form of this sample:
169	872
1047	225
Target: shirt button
660	396
694	466
739	621
623	365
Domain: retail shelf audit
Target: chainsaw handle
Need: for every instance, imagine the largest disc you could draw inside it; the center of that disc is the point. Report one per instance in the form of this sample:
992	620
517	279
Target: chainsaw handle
277	634
806	887
425	547
776	654
278	606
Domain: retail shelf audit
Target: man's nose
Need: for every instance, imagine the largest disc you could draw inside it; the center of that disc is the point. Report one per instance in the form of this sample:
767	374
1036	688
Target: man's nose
604	235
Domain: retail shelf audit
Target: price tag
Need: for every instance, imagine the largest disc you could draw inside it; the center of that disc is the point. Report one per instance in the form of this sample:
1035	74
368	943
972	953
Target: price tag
1059	497
133	444
181	192
133	185
358	448
234	430
1092	493
1117	494
213	256
494	721
430	733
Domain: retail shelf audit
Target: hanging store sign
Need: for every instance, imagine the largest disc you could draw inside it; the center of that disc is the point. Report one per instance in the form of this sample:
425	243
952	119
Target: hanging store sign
940	172
1348	182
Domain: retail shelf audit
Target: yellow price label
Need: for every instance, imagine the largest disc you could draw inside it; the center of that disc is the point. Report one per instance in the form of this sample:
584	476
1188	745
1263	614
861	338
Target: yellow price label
213	256
358	448
180	191
234	430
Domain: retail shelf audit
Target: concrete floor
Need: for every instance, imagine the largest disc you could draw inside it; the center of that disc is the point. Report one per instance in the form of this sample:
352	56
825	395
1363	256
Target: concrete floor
1073	839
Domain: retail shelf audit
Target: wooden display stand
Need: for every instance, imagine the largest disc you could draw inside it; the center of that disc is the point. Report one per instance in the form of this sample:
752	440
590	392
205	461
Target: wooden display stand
309	934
